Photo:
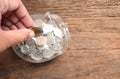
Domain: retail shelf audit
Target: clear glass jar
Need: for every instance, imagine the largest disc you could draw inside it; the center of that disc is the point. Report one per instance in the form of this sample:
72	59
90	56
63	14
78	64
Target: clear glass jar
52	42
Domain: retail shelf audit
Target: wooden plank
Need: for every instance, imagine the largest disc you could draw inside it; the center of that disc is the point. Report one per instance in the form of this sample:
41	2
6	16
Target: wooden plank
94	50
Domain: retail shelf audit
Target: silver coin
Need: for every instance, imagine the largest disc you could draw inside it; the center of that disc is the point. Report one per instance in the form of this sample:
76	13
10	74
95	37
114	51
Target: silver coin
51	39
25	49
30	42
36	55
48	53
38	23
47	28
58	40
41	40
58	32
41	48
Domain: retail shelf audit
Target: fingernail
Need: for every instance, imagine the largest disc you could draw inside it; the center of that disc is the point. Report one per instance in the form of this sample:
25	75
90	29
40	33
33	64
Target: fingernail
32	34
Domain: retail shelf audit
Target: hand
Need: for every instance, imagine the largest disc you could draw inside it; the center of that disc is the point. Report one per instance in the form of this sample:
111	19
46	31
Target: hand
15	22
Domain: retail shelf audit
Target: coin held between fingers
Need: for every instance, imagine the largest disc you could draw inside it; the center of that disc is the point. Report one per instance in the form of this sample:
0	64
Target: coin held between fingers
37	30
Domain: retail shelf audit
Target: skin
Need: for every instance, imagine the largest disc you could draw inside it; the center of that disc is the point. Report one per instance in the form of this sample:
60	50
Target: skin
15	22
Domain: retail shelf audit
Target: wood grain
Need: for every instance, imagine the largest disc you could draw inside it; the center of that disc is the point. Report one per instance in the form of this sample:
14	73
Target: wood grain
94	48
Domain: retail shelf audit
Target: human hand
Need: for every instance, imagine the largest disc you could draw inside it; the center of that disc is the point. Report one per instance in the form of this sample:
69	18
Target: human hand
15	22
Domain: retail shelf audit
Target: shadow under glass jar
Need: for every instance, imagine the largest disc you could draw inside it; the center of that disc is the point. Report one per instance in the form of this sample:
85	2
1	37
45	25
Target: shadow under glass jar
50	40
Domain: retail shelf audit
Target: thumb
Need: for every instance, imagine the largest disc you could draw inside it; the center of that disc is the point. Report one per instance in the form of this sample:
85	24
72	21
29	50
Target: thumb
16	36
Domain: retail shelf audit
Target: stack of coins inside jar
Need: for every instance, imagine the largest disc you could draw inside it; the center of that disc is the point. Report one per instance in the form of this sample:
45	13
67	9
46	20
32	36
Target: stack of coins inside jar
50	40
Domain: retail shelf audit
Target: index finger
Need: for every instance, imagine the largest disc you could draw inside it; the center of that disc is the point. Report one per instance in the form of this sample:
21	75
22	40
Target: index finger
24	16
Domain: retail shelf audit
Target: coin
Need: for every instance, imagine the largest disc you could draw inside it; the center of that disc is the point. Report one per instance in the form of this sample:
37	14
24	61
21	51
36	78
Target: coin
37	30
58	32
30	42
55	47
25	49
41	40
48	53
47	28
36	55
38	23
51	39
41	48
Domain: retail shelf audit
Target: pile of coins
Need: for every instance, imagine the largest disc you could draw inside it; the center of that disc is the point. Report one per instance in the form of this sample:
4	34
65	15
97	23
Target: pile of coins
47	43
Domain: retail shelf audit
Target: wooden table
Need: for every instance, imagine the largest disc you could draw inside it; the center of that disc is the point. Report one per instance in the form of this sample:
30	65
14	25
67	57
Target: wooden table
94	48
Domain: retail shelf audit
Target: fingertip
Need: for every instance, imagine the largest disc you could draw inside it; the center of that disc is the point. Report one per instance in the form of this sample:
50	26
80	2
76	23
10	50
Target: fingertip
17	36
29	33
